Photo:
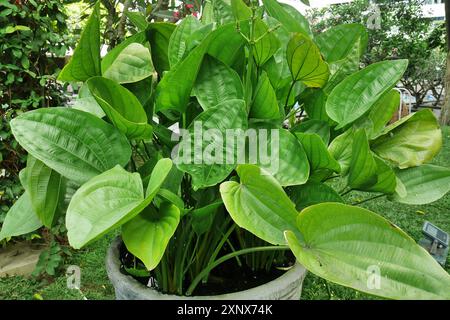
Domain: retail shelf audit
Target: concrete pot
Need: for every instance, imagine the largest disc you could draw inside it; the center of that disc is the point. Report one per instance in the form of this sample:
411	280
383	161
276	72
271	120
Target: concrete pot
286	287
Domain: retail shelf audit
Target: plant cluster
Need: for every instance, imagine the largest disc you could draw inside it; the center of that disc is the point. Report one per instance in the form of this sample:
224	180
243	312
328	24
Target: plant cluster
33	34
113	160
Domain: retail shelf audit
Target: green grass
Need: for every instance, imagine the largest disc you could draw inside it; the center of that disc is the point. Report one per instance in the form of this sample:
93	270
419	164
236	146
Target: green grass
95	284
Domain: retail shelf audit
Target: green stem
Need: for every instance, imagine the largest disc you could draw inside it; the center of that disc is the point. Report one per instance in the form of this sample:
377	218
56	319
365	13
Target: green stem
369	199
221	260
343	193
289	94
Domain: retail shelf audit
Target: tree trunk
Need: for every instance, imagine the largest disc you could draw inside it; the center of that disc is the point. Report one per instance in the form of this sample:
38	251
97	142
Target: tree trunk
123	20
445	110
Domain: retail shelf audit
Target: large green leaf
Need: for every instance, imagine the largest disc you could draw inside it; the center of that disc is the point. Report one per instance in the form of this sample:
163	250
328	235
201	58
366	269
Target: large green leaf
352	246
121	106
267	43
108	201
138	19
320	159
206	158
85	61
357	93
423	184
20	219
203	218
178	43
341	69
159	174
265	104
222	12
285	158
76	144
314	101
386	179
289	17
380	114
319	127
337	42
87	103
240	10
173	92
111	56
341	150
46	189
216	83
363	168
311	193
342	47
411	141
132	64
305	62
159	34
146	236
259	204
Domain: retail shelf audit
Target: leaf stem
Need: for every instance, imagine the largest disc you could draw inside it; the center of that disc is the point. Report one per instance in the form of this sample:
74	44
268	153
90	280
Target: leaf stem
289	93
368	199
343	193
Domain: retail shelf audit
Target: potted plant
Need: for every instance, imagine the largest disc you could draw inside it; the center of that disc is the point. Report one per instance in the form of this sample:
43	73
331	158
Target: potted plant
213	143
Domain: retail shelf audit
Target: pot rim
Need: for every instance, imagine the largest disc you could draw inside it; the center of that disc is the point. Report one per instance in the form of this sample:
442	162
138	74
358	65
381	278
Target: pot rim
116	276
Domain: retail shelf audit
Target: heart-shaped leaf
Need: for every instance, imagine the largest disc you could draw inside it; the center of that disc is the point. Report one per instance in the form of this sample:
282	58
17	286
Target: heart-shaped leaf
305	62
357	248
259	204
146	236
411	141
108	201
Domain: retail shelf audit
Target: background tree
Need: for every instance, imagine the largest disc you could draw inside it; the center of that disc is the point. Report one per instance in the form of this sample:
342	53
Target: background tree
403	32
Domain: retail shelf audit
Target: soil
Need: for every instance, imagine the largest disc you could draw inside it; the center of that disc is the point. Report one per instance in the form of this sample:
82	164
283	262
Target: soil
225	278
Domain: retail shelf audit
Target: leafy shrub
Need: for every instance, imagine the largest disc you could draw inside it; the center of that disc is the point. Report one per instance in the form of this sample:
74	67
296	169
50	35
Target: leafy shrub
106	163
32	35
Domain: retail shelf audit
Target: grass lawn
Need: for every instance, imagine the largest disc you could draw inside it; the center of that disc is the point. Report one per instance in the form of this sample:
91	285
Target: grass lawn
95	284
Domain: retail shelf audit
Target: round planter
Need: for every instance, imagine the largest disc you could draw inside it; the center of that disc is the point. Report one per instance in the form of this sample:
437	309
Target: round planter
286	287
